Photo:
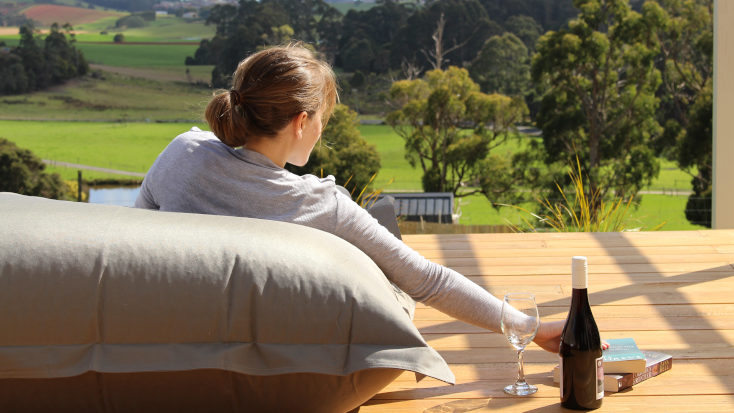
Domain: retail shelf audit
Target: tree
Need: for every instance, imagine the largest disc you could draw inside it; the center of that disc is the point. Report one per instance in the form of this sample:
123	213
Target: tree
436	57
599	101
253	25
376	26
342	152
687	51
32	57
526	29
277	35
695	151
22	172
119	38
13	79
502	66
36	64
131	21
466	24
429	117
550	14
358	55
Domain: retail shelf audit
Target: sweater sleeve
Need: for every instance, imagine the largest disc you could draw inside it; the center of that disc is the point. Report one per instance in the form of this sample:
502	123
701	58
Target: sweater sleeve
432	284
145	197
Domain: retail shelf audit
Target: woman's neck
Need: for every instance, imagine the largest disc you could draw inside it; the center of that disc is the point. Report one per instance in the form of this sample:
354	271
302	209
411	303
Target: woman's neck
275	149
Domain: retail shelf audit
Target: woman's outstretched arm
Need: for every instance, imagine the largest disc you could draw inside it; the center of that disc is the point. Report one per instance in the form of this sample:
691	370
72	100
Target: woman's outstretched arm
432	284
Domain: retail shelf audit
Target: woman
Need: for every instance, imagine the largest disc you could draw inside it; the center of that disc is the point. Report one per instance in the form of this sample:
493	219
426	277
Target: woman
274	115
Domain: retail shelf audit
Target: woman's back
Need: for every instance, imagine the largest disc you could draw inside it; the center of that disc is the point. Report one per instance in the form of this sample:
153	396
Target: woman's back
197	173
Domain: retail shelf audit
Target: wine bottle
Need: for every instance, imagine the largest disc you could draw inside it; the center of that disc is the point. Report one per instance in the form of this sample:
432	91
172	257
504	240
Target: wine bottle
581	368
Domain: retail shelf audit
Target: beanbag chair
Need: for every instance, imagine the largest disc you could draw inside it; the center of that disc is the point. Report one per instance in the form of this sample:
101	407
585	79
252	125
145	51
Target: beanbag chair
113	309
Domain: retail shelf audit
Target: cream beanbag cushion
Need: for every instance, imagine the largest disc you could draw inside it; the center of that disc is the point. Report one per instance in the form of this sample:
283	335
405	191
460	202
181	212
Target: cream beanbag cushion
109	308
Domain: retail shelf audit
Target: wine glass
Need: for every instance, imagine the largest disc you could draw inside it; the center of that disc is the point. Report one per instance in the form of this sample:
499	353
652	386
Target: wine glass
520	323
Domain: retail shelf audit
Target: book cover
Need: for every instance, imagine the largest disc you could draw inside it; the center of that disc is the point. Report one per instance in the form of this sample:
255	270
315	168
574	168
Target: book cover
656	363
623	357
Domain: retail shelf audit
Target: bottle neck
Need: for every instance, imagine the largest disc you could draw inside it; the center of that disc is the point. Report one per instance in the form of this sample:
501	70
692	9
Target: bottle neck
579	298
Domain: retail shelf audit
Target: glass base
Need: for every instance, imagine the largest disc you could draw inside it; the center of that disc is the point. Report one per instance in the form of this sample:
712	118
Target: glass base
520	389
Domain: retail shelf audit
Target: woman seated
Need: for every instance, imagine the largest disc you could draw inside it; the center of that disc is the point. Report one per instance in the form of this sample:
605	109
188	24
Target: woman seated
274	114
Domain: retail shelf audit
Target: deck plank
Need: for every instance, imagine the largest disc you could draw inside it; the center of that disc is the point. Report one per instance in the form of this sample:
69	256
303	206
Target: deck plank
671	291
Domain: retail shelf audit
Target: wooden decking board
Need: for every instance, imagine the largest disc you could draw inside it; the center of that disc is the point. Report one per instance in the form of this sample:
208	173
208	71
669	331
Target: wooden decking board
671	291
474	270
592	260
570	252
466	373
697	340
608	311
662	403
612	324
565	243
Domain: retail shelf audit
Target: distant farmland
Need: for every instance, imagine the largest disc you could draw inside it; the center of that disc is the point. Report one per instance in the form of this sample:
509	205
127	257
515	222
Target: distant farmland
48	14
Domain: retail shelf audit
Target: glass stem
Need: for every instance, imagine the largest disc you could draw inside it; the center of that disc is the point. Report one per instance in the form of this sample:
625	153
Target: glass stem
521	371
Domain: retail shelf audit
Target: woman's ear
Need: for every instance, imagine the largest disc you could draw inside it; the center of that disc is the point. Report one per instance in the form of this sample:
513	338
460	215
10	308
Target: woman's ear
299	124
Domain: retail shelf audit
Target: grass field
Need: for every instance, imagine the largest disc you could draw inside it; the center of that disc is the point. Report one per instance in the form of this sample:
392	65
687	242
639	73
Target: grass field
129	55
134	147
117	97
120	54
123	146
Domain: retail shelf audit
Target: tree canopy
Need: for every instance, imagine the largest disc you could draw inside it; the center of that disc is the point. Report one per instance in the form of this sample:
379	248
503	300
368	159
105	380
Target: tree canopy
502	66
600	99
22	172
432	113
36	64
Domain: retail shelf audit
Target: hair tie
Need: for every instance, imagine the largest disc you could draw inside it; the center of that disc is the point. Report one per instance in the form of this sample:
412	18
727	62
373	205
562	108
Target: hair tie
235	97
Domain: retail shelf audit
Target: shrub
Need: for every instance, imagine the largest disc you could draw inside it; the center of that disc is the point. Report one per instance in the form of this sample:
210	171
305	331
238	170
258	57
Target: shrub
22	172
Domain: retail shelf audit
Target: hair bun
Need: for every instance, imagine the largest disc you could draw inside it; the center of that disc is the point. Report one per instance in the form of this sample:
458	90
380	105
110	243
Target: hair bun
235	97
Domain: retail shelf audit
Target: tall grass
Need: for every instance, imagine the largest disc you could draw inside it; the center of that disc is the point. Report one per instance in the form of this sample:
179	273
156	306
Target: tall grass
583	213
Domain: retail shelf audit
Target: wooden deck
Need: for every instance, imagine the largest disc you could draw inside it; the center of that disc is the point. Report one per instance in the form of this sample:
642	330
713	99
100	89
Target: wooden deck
671	291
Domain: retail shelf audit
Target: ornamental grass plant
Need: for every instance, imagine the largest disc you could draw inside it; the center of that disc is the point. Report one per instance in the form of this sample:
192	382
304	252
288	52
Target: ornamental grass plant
582	211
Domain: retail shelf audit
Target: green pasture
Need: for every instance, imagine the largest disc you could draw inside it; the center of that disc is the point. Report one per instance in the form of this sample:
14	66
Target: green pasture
128	55
102	24
134	147
122	146
121	54
394	165
115	98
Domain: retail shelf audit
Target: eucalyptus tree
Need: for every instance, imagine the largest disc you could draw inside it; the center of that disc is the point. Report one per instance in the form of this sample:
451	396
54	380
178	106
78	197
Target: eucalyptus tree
450	128
687	51
600	80
502	66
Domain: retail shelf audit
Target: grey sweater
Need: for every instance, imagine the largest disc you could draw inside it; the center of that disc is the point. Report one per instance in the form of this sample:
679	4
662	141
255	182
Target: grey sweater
197	173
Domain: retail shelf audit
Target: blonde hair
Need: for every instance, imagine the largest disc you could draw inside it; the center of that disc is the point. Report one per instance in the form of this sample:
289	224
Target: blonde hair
269	89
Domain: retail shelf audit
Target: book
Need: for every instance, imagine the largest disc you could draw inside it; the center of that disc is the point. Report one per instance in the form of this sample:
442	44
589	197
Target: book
623	357
656	363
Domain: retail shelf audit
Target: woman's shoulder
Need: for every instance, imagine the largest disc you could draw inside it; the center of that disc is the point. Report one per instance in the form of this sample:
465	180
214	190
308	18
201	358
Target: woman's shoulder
194	136
321	187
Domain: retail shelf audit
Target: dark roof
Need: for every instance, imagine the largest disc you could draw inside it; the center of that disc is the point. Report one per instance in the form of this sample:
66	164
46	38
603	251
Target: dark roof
422	203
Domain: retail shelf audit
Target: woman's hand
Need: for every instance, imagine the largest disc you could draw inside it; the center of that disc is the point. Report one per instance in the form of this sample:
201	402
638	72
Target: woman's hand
549	336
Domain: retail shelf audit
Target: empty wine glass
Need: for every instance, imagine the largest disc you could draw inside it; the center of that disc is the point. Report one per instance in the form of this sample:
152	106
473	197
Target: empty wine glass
520	323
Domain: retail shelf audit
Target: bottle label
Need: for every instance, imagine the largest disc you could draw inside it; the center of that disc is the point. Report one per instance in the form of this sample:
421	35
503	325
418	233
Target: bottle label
561	374
599	378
